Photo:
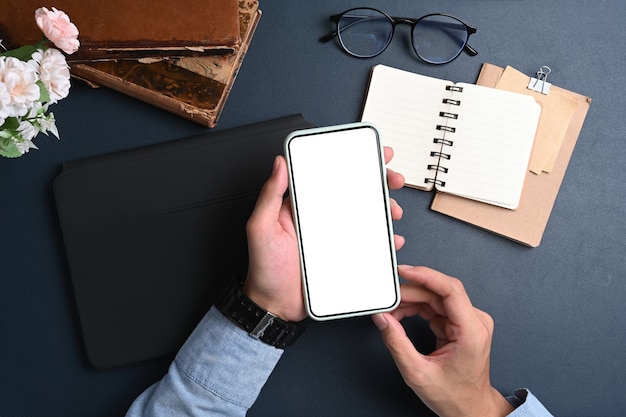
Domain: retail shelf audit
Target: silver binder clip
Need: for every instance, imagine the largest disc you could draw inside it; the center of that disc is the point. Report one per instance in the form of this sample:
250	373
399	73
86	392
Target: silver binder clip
540	83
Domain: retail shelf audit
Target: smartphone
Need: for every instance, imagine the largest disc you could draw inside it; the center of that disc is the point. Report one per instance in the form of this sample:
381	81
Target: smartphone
340	203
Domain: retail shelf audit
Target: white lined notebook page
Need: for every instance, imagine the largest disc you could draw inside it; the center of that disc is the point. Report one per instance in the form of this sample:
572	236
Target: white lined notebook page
492	145
405	108
494	135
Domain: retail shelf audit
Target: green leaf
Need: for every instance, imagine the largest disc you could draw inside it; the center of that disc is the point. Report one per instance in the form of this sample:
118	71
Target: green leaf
24	53
44	95
8	149
11	123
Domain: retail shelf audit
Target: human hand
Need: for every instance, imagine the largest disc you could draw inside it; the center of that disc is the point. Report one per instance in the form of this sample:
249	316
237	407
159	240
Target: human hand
273	280
454	379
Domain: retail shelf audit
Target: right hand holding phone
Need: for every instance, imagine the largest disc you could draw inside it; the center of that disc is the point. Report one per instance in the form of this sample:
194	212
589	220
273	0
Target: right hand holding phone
454	379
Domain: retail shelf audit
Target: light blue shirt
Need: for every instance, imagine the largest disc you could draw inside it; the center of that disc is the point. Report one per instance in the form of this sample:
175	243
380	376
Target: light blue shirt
527	405
220	371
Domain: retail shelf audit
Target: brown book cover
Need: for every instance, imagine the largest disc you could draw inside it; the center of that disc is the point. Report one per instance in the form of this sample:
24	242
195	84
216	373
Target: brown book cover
194	88
527	223
120	29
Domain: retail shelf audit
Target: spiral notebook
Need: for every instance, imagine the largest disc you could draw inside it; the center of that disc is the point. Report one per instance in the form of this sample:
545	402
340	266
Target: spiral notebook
463	139
527	224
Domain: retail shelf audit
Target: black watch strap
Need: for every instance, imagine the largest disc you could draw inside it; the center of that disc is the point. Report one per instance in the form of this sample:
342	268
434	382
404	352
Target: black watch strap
259	323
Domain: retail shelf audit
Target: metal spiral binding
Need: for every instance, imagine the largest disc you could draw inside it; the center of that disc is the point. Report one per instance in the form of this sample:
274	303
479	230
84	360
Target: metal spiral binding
446	128
443	141
438	168
451	101
454	88
448	115
434	181
441	155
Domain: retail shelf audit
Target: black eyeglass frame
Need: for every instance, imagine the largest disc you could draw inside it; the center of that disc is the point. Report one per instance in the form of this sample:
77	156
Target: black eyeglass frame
401	20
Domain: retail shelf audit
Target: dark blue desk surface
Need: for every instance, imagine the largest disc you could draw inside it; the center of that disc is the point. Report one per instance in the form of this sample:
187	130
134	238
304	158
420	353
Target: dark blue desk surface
559	309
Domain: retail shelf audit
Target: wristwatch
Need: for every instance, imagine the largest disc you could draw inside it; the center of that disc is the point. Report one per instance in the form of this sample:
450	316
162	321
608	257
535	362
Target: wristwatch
259	323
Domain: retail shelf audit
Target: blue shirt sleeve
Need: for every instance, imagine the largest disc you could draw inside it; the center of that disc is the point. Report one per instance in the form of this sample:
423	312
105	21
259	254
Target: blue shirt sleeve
527	405
219	371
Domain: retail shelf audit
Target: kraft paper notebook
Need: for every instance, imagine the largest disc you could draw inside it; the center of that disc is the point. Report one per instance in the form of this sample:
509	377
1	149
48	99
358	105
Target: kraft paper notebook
562	124
121	29
462	139
152	234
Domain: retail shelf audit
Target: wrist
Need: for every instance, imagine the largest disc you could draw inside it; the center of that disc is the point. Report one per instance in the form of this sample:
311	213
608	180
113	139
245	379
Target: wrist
265	302
258	322
281	297
501	407
487	402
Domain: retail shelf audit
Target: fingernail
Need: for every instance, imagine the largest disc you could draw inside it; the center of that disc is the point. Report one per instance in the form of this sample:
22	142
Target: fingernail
380	321
276	165
404	267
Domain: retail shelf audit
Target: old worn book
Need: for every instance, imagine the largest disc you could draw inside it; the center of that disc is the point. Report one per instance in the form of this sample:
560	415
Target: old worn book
194	88
120	29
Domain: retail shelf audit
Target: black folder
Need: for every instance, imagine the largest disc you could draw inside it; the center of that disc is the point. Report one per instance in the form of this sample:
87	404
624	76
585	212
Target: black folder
152	234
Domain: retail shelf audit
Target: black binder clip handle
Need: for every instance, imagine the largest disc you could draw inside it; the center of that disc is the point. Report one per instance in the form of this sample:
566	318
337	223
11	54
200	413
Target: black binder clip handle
540	83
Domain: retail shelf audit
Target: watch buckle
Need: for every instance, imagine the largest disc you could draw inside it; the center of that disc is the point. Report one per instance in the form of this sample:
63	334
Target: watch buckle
266	321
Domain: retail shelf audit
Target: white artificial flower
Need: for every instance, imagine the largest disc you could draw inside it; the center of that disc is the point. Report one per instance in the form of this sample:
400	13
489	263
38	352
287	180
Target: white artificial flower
48	124
34	110
54	73
5	100
35	59
27	87
24	146
27	130
20	80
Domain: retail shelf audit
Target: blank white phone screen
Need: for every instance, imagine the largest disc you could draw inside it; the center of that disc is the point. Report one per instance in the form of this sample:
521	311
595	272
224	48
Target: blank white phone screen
340	201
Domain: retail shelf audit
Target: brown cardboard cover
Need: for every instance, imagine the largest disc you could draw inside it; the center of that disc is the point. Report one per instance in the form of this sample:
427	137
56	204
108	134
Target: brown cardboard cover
119	29
525	225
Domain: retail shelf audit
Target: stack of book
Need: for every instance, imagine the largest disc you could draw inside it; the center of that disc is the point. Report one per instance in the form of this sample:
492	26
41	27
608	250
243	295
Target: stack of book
182	57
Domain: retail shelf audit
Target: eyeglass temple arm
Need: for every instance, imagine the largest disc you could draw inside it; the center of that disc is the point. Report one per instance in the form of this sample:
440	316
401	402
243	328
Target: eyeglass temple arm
328	37
470	51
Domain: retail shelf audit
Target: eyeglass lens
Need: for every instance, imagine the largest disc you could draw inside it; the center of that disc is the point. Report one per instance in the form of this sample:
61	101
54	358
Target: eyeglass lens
436	39
364	32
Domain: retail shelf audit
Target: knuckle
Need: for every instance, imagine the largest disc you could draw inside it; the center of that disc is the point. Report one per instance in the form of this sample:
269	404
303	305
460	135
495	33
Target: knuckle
253	227
457	285
488	320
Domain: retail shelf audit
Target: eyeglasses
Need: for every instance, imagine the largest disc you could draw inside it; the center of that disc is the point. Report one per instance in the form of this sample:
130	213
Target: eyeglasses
436	38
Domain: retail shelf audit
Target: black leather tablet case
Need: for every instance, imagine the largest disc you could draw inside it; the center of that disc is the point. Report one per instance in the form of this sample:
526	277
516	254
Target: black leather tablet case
152	234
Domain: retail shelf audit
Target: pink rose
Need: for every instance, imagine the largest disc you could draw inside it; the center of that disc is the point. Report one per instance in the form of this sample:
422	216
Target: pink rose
56	26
